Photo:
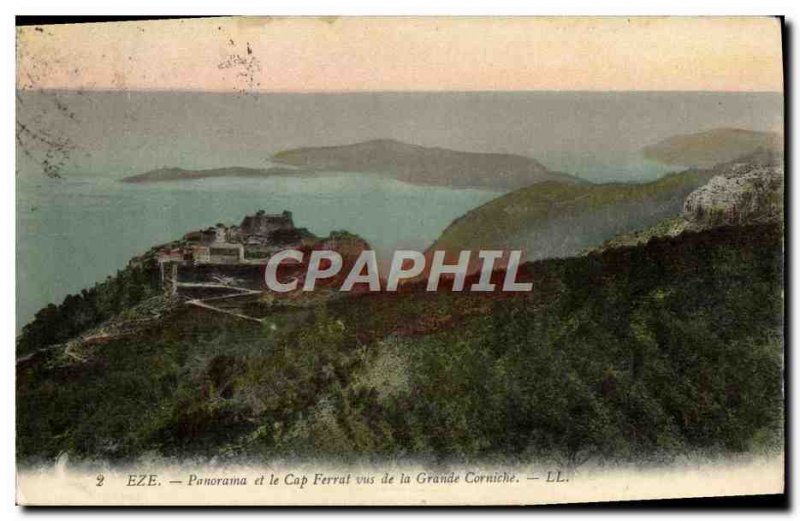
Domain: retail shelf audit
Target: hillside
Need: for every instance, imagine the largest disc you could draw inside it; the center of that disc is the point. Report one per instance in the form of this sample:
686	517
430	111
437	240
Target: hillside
637	354
425	165
139	294
708	148
177	174
749	190
559	219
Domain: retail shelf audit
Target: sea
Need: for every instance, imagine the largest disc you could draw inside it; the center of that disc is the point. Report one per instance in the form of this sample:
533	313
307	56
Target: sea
81	226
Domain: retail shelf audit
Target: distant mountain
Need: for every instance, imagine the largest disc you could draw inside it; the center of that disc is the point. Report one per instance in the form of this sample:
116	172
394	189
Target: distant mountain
177	174
562	219
715	146
426	165
409	163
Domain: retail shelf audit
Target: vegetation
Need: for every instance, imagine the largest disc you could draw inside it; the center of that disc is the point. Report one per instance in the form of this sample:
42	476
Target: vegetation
55	324
637	353
667	227
558	219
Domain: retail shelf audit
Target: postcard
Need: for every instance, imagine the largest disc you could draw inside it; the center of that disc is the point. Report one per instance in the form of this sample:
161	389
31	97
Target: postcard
399	260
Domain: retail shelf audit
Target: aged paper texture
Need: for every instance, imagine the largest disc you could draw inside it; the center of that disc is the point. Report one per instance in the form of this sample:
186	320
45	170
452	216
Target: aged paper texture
399	261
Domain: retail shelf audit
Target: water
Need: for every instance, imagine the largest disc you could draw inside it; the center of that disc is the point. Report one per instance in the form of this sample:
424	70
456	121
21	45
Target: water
597	135
75	231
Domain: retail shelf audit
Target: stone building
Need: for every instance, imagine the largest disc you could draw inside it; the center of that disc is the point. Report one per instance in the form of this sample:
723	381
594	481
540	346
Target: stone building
226	253
263	224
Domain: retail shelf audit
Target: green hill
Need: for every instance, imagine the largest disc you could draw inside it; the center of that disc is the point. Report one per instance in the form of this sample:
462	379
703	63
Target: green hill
642	354
747	191
559	219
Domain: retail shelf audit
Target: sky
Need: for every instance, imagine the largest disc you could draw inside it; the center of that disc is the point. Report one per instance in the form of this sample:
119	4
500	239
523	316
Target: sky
309	54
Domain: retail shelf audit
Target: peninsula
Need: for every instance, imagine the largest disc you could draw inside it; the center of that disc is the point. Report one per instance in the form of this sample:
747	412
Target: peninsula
414	164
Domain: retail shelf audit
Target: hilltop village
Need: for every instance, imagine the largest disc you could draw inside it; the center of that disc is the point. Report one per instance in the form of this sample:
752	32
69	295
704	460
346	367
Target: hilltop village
240	251
243	258
251	242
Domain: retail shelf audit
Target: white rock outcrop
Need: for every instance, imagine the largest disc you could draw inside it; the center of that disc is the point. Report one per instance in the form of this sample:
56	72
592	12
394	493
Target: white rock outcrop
742	193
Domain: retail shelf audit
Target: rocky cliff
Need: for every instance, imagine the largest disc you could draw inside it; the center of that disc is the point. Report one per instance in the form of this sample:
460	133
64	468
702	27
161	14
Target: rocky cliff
745	193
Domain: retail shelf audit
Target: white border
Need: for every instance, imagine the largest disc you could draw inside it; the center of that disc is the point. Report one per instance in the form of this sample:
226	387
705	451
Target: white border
318	7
